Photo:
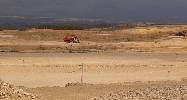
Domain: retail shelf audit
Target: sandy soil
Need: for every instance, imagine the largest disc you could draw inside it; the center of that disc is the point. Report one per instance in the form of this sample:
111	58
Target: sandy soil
43	64
48	70
89	91
29	69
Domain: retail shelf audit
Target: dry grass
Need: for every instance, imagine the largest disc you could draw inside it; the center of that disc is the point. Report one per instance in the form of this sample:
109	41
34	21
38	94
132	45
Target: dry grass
91	40
149	33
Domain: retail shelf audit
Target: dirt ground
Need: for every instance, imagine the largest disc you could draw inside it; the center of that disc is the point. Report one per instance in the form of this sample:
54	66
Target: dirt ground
112	61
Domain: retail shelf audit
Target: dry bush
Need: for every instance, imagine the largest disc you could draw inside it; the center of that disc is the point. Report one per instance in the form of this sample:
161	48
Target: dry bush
145	37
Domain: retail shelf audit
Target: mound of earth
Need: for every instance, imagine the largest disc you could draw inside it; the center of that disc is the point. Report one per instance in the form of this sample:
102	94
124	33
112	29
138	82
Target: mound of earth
149	93
10	92
77	84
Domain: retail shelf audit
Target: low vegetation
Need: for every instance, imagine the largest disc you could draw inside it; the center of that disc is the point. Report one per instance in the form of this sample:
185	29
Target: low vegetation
41	26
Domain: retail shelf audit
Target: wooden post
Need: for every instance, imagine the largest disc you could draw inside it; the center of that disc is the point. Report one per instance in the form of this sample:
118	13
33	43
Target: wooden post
82	69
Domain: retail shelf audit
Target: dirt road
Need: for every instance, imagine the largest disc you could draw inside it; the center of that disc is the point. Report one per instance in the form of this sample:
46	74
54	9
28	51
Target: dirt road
58	69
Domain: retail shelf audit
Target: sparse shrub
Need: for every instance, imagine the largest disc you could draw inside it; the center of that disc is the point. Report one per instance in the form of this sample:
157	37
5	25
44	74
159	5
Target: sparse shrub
14	50
22	29
40	48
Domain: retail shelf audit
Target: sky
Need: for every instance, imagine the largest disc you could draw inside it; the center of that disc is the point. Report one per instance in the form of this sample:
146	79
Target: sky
117	10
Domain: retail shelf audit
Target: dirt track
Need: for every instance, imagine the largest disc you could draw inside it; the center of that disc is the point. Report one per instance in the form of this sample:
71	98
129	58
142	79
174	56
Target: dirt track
58	69
46	70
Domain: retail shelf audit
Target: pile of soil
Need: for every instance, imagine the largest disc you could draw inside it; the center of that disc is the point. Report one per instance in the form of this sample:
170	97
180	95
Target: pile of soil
10	92
149	93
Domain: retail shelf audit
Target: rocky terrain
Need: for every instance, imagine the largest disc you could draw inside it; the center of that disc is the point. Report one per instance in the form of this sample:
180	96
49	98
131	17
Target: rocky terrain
178	92
10	92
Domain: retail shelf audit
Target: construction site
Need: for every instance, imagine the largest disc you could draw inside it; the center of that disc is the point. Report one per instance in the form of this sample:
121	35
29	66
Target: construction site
139	63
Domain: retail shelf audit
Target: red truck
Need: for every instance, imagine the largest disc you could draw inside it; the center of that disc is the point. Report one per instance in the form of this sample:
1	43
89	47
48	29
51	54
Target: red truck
71	38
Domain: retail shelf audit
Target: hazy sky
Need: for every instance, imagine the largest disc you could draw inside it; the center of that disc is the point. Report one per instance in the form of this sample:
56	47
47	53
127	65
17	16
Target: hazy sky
101	9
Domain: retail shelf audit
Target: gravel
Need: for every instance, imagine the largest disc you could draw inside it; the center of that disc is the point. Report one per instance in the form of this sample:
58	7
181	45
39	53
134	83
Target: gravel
177	92
10	92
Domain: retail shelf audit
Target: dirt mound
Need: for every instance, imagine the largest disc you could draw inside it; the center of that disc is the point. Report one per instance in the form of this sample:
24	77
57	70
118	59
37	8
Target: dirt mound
77	84
10	92
149	93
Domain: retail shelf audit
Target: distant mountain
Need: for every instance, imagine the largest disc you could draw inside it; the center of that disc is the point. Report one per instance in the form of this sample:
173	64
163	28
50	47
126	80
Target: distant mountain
22	22
35	20
16	21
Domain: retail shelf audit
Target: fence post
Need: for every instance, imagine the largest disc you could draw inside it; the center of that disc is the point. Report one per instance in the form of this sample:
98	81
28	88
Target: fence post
82	73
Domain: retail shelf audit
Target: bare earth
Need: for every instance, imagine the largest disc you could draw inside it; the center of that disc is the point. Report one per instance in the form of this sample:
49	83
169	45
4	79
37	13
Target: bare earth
44	66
